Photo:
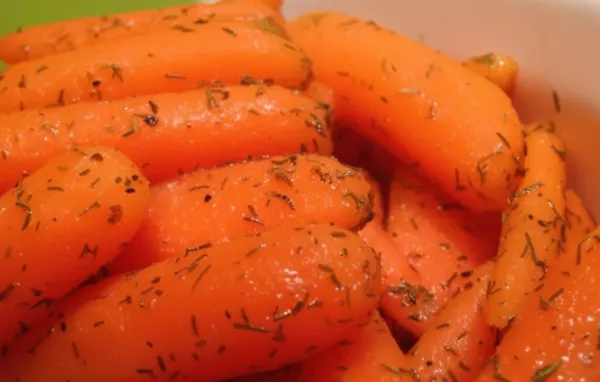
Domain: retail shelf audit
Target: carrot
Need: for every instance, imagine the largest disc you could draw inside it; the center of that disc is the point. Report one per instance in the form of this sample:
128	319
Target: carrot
417	103
275	4
164	61
443	243
320	92
228	202
555	336
501	70
370	354
456	347
170	133
60	225
579	222
531	230
288	292
42	40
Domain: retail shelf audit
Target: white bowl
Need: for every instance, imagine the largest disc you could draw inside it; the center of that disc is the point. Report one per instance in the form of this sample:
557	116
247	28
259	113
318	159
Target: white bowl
553	41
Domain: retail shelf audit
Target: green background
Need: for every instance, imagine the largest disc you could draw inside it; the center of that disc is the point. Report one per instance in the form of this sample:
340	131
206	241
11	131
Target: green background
30	12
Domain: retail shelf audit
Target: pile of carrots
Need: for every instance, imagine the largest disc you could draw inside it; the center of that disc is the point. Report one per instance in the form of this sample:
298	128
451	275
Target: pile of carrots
209	193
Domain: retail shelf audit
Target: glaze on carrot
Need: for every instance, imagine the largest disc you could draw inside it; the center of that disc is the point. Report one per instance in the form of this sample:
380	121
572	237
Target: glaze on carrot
42	40
228	202
164	61
531	230
555	335
502	70
369	354
275	4
579	222
289	292
60	225
459	342
443	243
414	101
168	134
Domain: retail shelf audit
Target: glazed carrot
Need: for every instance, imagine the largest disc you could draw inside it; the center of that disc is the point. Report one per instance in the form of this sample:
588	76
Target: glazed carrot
531	230
396	270
275	4
288	292
42	40
228	202
456	347
170	133
286	374
164	61
60	225
416	102
320	92
443	243
502	70
555	336
579	222
370	354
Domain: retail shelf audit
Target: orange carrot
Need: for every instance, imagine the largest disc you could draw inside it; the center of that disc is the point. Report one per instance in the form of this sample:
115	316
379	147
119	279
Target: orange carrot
502	70
228	202
288	292
275	4
164	61
319	92
60	225
286	374
456	347
370	354
43	40
443	243
170	133
531	230
555	336
579	222
416	102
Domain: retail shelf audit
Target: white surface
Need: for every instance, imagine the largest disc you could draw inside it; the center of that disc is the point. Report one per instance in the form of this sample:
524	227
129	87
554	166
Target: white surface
556	42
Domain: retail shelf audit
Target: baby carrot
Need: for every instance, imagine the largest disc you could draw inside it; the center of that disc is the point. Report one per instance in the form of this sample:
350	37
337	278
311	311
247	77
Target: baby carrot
164	61
555	335
60	225
501	70
275	4
531	230
456	347
289	292
579	222
228	202
416	102
42	40
168	134
370	354
443	243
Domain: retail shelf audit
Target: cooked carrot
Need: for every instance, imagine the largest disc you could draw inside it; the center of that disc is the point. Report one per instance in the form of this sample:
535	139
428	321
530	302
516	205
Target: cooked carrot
456	347
275	4
60	225
442	241
416	102
502	70
320	92
286	374
531	230
42	40
289	292
170	133
370	354
555	336
579	222
232	201
164	61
